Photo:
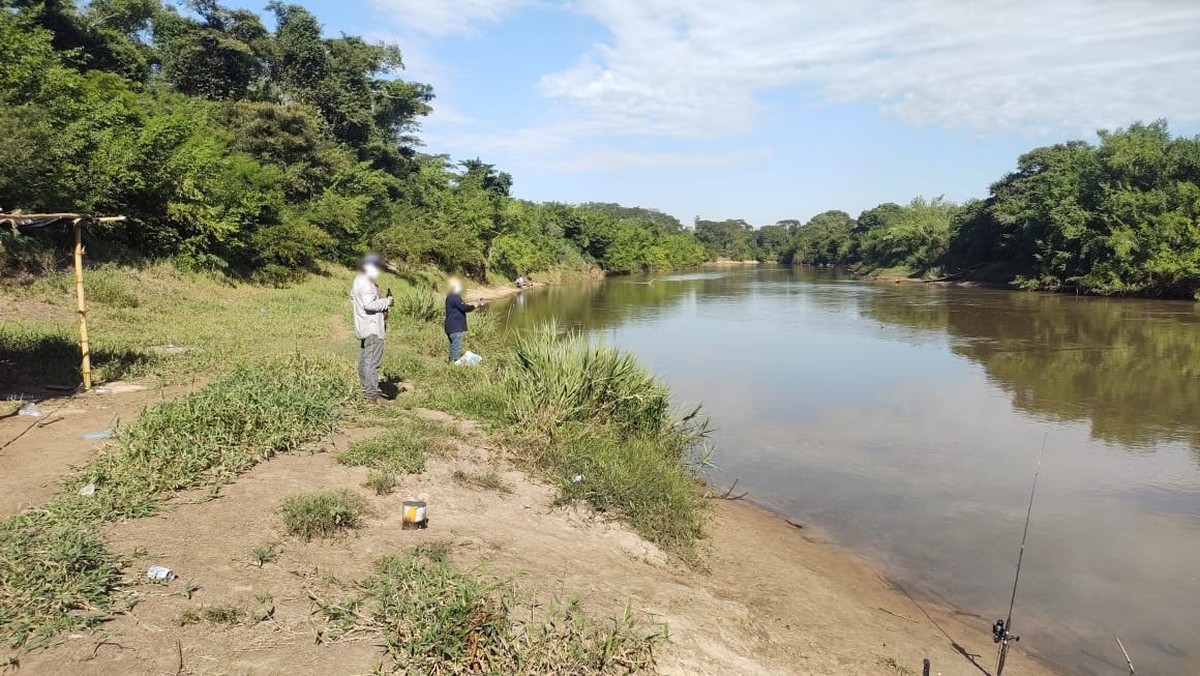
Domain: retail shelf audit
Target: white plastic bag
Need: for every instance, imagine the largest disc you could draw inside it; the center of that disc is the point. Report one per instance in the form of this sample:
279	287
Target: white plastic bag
468	359
32	410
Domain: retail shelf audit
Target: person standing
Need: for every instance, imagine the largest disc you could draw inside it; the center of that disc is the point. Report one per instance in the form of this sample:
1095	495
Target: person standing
370	321
456	318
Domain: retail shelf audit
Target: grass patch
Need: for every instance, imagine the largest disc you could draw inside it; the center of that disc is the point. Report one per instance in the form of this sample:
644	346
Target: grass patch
640	479
435	619
895	666
575	379
57	575
265	554
221	615
397	451
106	285
54	577
321	515
490	481
381	481
402	449
207	437
227	615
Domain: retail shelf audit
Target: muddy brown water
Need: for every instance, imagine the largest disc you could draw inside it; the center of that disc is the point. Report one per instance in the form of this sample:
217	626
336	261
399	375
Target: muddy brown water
905	421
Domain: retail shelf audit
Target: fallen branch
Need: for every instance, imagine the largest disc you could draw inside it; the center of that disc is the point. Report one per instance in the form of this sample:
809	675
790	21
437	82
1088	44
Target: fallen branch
101	643
728	495
903	617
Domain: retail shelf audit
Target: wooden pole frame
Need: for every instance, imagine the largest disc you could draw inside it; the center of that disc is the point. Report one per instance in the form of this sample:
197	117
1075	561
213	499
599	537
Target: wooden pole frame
77	222
80	297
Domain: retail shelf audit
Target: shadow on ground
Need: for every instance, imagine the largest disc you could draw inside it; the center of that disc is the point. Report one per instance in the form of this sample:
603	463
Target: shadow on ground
33	362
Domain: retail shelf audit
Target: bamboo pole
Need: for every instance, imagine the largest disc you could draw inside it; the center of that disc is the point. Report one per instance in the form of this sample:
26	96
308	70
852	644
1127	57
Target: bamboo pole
79	296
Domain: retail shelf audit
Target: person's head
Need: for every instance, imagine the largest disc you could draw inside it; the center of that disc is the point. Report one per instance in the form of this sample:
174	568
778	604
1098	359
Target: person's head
454	284
372	263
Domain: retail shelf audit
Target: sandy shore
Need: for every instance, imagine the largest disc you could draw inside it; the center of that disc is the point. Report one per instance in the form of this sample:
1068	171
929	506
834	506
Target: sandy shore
773	598
726	263
490	293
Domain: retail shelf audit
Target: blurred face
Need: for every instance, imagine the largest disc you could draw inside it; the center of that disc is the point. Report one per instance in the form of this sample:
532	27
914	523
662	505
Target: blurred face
371	271
455	285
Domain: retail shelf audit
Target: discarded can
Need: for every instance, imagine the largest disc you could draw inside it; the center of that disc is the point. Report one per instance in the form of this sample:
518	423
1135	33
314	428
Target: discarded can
414	515
160	574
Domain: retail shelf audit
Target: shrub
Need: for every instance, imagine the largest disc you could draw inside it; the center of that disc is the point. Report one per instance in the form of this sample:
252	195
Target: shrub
321	515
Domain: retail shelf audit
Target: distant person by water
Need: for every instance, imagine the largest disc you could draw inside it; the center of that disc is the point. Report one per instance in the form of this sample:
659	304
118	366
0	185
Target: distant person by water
456	317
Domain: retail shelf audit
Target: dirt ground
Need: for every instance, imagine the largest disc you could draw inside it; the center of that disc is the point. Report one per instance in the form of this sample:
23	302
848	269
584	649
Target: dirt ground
774	600
40	451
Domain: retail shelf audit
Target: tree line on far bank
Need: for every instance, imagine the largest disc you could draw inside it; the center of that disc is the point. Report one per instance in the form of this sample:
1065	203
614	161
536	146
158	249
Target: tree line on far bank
1120	217
257	147
259	152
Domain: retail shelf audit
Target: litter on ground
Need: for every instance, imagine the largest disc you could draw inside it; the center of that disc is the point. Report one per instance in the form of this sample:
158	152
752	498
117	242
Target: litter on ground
468	359
30	410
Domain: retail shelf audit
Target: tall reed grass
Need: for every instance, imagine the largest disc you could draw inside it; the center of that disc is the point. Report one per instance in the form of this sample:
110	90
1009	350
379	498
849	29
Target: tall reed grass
419	304
609	435
572	378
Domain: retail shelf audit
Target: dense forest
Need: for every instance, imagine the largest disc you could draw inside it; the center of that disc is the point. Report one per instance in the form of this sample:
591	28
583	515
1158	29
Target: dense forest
1118	217
256	151
255	146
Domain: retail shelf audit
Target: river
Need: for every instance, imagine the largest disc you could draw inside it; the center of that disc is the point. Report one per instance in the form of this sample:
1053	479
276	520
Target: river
904	421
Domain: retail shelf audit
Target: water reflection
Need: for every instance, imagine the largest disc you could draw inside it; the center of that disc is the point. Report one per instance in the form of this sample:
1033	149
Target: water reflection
1131	368
904	420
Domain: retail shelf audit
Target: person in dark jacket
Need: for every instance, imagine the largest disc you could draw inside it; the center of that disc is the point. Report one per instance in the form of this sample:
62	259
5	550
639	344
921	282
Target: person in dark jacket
456	318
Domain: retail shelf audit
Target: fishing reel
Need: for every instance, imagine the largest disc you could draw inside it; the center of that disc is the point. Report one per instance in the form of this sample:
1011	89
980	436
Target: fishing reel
1000	633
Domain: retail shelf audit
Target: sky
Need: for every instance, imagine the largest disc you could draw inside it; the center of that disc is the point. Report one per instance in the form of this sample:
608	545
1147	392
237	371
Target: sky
774	109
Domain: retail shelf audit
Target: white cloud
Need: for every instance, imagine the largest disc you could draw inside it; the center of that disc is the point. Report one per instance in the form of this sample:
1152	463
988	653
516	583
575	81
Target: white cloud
567	147
699	68
447	17
603	158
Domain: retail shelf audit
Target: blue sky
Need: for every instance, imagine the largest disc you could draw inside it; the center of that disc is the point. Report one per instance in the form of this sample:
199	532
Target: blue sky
772	109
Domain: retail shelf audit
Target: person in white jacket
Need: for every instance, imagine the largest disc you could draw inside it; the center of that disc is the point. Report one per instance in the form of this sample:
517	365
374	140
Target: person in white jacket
370	321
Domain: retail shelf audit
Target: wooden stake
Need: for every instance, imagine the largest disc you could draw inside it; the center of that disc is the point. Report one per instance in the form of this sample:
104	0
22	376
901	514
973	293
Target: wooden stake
84	349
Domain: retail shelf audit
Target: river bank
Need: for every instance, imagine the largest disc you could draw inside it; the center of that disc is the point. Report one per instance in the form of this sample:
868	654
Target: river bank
798	605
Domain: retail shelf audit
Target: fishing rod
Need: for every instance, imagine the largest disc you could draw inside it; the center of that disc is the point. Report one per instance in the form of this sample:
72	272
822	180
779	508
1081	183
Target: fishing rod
1002	629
